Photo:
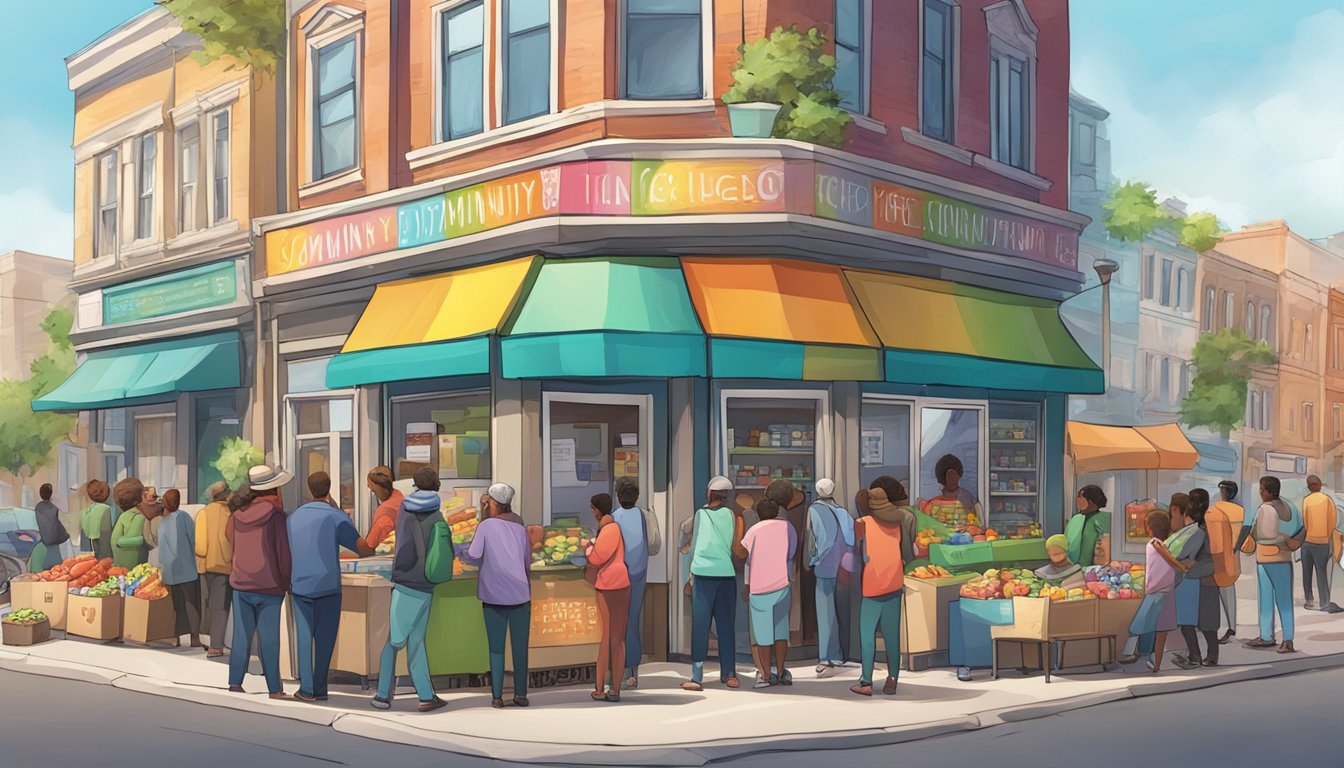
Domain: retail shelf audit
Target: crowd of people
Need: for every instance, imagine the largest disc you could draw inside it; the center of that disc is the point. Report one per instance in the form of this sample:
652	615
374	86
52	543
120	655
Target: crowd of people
243	554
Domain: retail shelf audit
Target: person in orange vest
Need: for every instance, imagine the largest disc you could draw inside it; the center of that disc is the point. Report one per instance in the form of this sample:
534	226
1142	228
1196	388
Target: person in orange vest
1320	517
885	539
1223	522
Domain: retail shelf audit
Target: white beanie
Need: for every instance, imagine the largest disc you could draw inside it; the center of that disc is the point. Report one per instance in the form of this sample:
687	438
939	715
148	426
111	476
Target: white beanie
501	493
720	484
825	488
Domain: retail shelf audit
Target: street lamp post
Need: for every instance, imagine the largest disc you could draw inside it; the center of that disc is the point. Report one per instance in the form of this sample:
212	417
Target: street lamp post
1105	268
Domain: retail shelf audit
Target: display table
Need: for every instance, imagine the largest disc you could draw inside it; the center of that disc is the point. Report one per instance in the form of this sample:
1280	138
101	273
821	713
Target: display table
969	623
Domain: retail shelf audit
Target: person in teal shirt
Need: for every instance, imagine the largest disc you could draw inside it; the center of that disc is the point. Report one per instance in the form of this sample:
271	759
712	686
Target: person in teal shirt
715	528
1088	526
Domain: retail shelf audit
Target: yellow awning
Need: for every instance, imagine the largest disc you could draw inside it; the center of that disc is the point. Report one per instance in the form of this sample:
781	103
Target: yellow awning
1100	448
456	305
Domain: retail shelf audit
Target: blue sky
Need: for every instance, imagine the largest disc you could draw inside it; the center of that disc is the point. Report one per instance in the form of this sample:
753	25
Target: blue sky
1233	105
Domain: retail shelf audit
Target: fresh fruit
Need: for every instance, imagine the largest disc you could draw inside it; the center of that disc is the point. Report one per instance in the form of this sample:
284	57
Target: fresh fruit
26	616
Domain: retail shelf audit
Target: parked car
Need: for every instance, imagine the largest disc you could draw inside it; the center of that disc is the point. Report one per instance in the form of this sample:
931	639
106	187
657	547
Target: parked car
18	532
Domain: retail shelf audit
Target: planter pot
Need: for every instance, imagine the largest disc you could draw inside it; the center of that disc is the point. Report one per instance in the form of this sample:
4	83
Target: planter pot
754	120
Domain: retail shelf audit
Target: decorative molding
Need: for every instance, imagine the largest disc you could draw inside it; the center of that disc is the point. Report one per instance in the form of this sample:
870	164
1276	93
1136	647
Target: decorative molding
963	156
331	18
149	33
209	101
142	121
1016	174
869	124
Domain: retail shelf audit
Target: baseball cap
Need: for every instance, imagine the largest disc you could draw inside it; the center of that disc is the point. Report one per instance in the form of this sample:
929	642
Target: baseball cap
720	484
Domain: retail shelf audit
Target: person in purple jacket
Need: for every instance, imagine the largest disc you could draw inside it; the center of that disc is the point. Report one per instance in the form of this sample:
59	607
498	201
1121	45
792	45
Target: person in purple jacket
503	552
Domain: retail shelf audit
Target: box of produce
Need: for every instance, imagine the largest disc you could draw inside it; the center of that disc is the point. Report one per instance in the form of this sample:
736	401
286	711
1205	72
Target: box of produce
558	544
1018	550
49	597
462	524
1004	583
924	618
96	615
960	556
26	626
146	619
1116	580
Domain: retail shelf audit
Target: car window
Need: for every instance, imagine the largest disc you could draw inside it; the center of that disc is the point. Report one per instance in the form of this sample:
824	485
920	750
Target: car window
15	519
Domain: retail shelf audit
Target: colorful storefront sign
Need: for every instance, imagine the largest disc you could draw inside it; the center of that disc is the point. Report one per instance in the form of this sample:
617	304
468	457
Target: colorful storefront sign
667	188
186	291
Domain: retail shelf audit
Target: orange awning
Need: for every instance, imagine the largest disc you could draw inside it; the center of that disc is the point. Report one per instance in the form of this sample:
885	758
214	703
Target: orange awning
1101	448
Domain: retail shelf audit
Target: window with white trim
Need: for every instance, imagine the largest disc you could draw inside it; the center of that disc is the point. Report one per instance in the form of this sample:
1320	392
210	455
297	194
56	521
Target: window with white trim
1183	289
335	102
663	50
1012	82
462	83
1229	311
850	83
1210	296
1250	319
220	167
1266	323
527	59
1308	421
105	196
938	70
188	178
146	154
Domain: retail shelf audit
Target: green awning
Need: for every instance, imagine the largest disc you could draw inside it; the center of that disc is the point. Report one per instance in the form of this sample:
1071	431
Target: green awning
618	317
463	357
756	359
149	373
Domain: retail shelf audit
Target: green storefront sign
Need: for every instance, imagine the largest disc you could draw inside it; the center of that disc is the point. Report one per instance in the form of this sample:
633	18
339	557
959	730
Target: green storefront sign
186	291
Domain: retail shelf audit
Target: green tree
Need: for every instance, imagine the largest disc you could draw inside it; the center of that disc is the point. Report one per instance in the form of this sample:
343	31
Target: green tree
28	438
1201	232
251	32
791	68
1132	212
1223	363
236	457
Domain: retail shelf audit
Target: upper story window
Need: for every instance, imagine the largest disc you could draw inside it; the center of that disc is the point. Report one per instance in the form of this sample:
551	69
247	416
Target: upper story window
1309	421
188	176
1295	333
664	56
1229	311
221	164
1149	279
146	155
938	70
1250	319
1166	282
1012	76
1309	346
1086	143
1266	326
462	102
527	59
1210	295
105	196
850	82
1183	298
335	97
1338	352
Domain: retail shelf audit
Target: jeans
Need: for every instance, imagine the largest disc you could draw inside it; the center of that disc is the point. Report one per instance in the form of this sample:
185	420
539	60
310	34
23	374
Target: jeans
316	620
1228	596
634	647
259	614
714	598
828	623
216	599
1316	559
516	621
408	621
1276	590
881	612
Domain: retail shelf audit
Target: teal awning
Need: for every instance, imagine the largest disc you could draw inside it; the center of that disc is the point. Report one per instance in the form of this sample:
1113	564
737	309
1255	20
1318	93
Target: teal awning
149	373
461	357
618	317
938	368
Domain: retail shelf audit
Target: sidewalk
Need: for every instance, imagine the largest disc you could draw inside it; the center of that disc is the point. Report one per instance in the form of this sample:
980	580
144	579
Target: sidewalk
661	725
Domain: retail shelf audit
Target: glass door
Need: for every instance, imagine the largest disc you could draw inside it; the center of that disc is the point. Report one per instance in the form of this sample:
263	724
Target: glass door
1014	469
323	429
951	441
591	441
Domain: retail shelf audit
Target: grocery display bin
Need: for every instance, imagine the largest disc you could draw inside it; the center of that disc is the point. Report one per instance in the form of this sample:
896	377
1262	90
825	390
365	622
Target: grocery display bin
1018	550
977	555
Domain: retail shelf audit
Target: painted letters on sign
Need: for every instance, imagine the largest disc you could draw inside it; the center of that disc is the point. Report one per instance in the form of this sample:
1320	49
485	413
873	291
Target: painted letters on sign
186	291
331	241
707	186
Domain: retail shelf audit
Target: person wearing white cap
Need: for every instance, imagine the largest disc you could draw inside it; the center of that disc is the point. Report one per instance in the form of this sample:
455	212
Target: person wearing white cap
831	536
715	530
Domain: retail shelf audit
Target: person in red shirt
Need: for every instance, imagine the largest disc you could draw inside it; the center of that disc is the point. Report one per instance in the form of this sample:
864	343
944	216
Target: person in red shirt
607	571
389	505
885	539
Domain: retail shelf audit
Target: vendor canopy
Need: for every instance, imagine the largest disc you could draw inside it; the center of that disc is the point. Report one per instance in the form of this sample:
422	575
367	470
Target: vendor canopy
936	332
431	327
148	373
621	317
782	319
1098	448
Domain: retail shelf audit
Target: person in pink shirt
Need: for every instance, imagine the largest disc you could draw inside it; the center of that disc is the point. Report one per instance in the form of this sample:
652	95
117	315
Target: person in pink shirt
608	574
1157	610
768	549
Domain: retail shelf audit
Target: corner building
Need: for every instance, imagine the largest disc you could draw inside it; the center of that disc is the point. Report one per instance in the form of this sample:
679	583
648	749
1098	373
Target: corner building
524	245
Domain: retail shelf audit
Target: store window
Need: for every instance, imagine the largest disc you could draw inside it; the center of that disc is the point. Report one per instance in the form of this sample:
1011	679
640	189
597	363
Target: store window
334	104
463	98
220	166
105	196
450	433
156	451
850	28
216	421
884	442
590	442
955	431
1015	468
663	49
188	175
146	156
937	93
527	59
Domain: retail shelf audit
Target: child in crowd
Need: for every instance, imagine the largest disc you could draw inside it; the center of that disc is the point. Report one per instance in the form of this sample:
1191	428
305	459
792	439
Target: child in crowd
1060	570
1157	610
768	549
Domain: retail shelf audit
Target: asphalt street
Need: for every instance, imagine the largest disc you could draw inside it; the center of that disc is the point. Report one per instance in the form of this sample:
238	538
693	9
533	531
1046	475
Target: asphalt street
49	721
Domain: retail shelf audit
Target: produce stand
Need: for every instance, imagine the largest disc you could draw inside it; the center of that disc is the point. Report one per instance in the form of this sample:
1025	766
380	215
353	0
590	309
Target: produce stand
49	597
1018	551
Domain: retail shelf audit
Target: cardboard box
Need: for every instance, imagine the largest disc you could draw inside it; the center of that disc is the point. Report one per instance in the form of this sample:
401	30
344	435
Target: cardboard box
1115	616
144	621
97	618
26	634
365	611
1072	617
924	617
49	597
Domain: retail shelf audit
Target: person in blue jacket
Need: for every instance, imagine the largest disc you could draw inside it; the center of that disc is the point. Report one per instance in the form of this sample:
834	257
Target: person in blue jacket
831	532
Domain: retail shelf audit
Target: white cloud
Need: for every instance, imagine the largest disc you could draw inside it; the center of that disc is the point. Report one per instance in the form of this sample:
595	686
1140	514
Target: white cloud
35	209
1249	143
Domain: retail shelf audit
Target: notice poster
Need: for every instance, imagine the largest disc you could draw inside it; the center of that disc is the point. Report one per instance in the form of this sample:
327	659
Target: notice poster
563	459
870	446
420	441
448	456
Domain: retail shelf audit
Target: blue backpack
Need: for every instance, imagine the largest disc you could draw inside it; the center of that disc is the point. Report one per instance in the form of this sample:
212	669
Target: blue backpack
846	541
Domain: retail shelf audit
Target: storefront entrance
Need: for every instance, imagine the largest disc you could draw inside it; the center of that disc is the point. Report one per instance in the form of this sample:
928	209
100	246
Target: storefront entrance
324	441
590	441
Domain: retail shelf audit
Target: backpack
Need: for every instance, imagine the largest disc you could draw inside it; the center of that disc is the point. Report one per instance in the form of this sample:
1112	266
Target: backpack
653	538
437	554
845	541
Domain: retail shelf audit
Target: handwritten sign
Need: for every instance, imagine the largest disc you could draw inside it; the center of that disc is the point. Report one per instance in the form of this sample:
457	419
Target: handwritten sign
558	621
331	241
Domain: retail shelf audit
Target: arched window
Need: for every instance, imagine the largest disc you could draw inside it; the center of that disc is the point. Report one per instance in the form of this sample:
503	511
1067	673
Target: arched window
1250	319
1209	298
1266	321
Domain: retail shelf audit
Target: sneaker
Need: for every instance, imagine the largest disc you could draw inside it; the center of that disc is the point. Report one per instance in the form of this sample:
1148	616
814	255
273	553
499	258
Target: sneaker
826	670
784	678
432	704
378	703
521	701
1227	637
1258	642
822	668
1287	647
497	703
1187	664
1310	604
1332	608
632	682
236	689
1130	659
1152	666
762	682
963	674
1210	663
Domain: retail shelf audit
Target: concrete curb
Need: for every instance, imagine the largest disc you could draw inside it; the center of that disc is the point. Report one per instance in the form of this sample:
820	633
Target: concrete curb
694	755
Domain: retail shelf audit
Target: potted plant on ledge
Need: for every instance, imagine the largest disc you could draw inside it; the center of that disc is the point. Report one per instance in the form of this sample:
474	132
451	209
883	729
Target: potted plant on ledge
782	88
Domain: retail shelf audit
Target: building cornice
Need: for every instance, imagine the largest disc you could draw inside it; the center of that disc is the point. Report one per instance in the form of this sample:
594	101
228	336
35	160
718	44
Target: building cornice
127	46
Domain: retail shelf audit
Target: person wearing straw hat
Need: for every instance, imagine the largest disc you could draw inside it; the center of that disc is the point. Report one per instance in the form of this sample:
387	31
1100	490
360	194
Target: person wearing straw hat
715	529
261	576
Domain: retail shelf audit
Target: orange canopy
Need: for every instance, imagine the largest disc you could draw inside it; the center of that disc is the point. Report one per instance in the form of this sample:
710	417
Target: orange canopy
1100	448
